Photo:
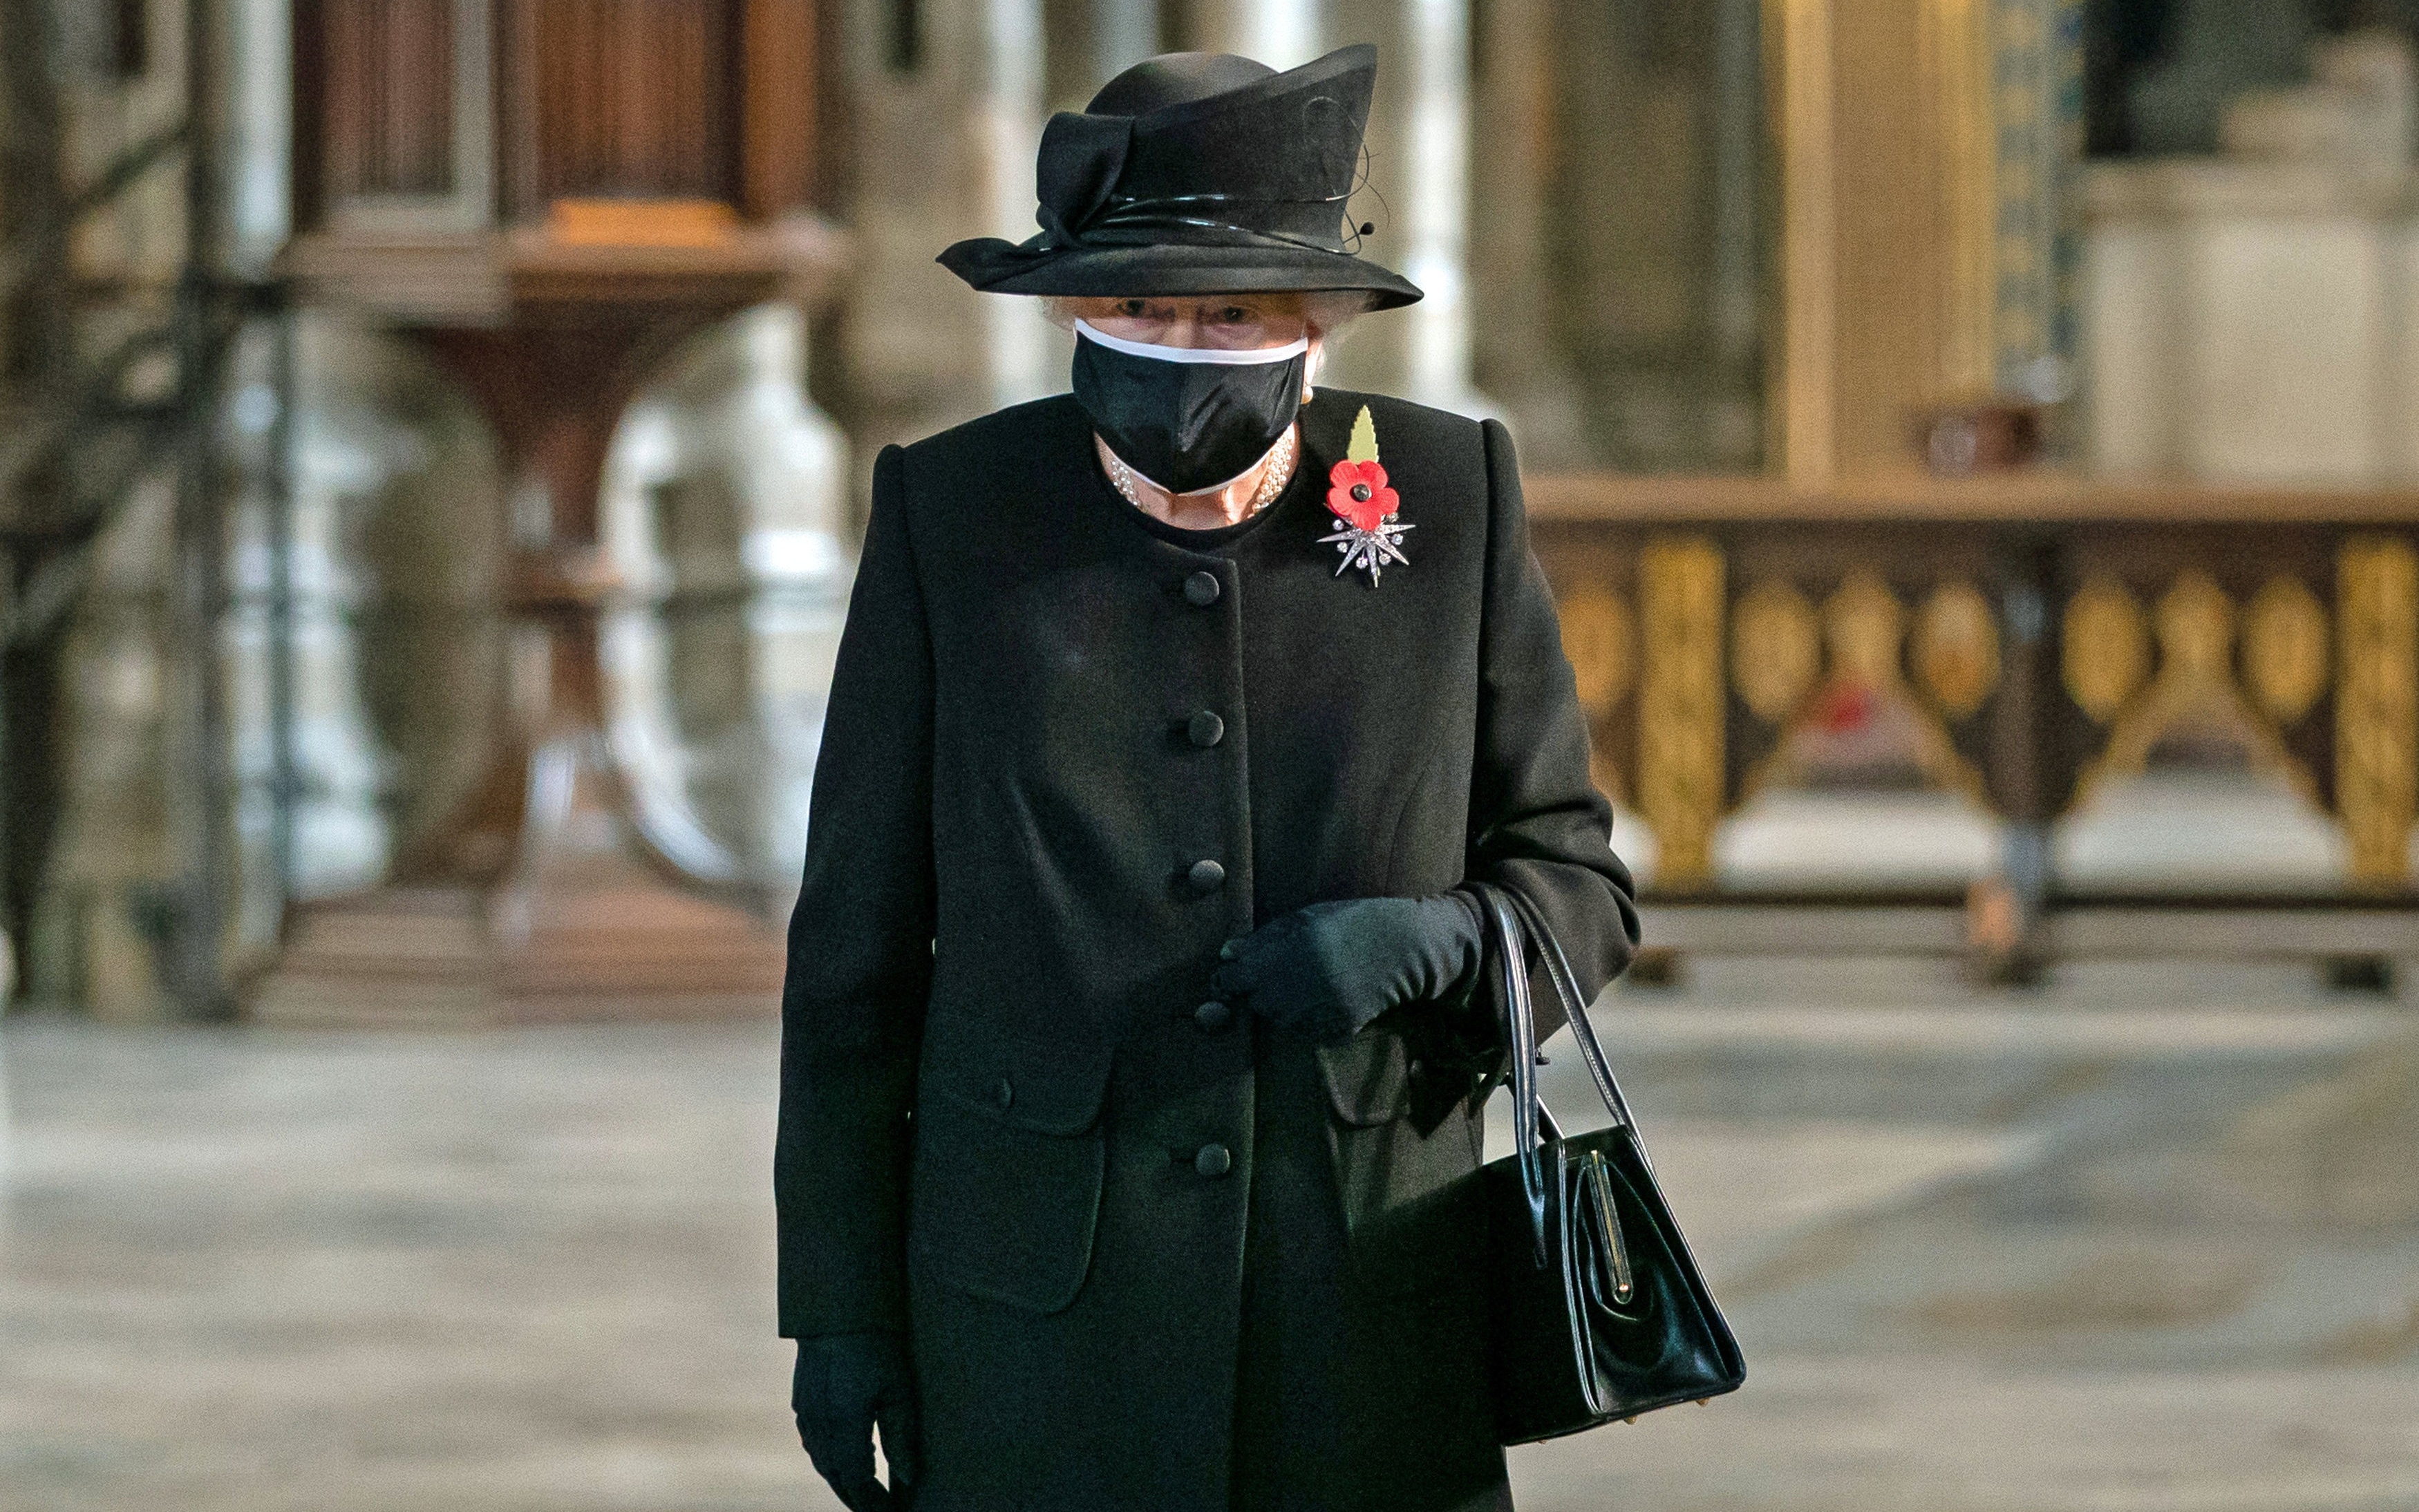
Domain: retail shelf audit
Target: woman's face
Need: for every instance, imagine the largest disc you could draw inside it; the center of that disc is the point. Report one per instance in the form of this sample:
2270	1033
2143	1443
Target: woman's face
1234	322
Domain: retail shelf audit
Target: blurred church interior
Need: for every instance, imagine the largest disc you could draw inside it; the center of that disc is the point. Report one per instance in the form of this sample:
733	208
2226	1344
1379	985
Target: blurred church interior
1974	445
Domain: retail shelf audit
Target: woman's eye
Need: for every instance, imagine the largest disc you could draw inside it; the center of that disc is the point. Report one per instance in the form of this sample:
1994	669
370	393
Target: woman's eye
1233	315
1132	309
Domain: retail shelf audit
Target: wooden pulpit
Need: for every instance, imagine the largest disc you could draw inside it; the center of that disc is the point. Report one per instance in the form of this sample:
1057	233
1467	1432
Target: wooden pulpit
547	196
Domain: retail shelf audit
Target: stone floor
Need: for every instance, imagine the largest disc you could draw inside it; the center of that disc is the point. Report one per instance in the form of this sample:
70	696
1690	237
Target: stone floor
2146	1241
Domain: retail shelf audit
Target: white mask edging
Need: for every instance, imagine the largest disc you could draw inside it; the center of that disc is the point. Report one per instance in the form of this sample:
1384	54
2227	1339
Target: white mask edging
1216	356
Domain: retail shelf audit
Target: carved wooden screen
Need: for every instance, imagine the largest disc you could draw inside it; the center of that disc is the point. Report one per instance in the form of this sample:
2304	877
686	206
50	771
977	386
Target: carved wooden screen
390	121
609	98
390	113
445	115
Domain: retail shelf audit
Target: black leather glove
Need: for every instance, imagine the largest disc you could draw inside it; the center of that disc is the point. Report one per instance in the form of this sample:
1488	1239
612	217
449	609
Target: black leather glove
1328	969
845	1384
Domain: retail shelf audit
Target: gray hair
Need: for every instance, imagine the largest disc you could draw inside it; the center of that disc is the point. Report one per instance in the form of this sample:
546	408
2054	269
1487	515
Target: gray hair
1325	311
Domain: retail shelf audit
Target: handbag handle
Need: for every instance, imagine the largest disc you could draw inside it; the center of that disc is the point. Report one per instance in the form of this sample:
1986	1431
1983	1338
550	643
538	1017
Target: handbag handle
1515	918
1520	1024
1566	987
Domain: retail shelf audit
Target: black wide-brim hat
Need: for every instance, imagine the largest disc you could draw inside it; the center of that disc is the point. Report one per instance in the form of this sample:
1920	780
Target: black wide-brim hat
1200	173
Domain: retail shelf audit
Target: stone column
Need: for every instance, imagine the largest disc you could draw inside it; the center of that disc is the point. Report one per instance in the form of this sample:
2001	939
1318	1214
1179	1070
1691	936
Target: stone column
1124	32
947	119
99	926
1417	199
2037	59
1434	113
1512	210
1008	75
1736	294
259	123
1283	34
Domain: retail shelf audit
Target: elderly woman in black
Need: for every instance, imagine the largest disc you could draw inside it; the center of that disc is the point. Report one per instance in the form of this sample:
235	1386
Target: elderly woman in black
1131	1048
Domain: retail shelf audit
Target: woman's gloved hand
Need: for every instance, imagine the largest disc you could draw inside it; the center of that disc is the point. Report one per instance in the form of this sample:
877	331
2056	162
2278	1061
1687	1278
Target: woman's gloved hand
1330	968
845	1384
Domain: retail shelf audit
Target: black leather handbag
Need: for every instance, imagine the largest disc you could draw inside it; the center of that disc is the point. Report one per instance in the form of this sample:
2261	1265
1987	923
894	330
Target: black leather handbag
1597	1309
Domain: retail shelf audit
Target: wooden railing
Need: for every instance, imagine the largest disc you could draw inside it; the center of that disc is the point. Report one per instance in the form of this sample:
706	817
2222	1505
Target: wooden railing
2020	638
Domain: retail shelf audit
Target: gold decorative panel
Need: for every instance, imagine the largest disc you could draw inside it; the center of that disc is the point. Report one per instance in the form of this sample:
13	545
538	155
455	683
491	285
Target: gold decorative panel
1776	649
1681	704
2284	652
2106	647
1957	648
1597	637
2192	709
2376	703
2196	630
1865	622
1863	726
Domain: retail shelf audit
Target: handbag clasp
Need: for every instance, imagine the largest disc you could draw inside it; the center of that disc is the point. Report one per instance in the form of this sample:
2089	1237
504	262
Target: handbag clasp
1597	1178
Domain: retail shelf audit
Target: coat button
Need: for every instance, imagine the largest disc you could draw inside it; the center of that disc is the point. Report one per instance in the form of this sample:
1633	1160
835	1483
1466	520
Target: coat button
1006	1093
1201	588
1206	729
1213	1017
1214	1159
1206	877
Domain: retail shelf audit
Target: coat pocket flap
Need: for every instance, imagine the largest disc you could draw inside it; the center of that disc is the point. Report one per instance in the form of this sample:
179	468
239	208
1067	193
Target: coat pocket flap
1048	1087
1368	1078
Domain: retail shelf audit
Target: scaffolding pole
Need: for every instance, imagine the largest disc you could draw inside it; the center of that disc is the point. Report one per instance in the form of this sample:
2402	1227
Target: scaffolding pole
200	784
40	359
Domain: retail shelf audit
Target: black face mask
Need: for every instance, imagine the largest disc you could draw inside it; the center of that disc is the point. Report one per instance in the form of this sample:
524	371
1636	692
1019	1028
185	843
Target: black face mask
1187	422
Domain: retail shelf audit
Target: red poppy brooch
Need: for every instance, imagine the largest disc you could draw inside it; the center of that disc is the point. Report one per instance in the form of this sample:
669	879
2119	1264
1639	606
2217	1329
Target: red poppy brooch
1364	505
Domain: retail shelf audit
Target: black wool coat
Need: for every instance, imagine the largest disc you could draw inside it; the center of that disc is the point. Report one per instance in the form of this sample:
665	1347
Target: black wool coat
1152	1254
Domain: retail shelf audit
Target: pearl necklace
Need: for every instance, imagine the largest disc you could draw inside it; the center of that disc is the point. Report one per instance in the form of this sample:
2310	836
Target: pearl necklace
1273	482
